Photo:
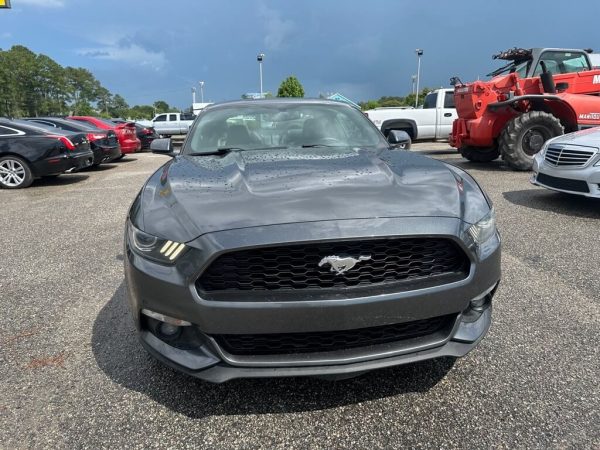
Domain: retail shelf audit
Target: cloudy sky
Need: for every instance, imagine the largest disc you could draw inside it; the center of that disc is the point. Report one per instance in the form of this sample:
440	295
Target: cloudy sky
149	49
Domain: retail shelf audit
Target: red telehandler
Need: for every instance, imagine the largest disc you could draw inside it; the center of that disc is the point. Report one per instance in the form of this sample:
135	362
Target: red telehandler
541	93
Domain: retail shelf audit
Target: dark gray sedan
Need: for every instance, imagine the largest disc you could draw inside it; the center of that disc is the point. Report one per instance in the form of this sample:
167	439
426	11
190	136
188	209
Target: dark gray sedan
290	238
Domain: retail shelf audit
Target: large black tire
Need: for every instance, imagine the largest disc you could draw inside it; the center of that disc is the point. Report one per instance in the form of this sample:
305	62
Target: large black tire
15	173
525	135
480	154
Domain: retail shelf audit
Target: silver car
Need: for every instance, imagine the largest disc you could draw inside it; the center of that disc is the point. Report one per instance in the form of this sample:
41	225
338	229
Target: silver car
570	163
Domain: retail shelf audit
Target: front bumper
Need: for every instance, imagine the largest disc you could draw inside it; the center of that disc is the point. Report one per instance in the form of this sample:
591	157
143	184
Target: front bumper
210	365
170	290
567	179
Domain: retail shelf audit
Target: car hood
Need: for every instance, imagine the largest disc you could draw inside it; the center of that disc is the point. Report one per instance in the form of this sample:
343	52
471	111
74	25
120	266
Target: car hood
589	138
193	195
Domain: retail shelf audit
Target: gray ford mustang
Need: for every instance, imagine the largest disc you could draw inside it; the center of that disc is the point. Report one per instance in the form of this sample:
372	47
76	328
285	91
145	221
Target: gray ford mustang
290	238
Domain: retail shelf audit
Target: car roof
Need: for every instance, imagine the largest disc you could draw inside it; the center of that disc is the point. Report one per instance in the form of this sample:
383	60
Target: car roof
83	126
29	126
277	101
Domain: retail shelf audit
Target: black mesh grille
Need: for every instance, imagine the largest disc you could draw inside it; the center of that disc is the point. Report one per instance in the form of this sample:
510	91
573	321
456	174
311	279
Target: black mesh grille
293	268
563	183
287	343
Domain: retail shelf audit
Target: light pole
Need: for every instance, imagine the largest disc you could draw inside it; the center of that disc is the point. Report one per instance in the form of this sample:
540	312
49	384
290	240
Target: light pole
201	83
414	80
193	95
419	53
260	58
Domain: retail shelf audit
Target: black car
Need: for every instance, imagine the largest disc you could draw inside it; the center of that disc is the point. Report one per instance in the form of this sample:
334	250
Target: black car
145	134
290	238
29	151
103	143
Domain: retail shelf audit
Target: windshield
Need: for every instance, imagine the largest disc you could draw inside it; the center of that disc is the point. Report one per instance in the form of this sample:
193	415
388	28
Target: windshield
520	68
276	125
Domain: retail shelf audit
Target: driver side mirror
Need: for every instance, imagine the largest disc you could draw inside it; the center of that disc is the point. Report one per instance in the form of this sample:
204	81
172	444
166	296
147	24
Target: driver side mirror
162	147
399	139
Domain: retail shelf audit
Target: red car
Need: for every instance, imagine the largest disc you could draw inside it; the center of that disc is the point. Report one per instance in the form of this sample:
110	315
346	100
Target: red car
126	133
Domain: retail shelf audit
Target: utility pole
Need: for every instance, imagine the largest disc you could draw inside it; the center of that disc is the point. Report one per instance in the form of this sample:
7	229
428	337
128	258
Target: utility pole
419	53
260	58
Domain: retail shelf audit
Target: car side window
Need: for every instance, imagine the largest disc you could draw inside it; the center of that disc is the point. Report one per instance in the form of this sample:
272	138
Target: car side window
449	100
172	117
161	118
430	101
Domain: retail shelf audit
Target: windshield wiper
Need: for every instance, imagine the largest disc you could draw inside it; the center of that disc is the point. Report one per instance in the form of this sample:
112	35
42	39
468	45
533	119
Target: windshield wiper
319	145
219	151
226	150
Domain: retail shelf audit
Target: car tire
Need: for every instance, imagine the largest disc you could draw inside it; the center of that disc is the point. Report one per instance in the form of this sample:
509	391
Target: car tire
479	154
525	135
15	173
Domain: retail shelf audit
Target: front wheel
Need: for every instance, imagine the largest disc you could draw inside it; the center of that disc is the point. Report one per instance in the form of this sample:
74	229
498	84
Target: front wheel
479	154
525	135
14	173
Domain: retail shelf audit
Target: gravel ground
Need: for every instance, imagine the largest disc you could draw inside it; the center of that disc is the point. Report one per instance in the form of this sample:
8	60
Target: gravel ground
73	375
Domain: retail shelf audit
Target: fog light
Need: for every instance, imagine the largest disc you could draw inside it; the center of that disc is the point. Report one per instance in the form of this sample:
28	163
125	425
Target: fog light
168	330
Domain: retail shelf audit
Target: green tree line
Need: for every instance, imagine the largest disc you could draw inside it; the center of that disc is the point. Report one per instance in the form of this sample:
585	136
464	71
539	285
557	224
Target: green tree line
35	85
392	101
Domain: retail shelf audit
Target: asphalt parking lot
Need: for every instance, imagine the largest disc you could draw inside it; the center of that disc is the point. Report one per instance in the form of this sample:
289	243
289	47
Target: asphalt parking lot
72	373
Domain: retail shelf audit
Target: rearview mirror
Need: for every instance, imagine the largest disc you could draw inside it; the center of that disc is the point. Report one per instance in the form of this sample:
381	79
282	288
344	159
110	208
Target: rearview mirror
399	139
162	146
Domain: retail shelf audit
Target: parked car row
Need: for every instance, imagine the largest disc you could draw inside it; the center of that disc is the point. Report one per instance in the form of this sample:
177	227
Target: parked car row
29	150
37	147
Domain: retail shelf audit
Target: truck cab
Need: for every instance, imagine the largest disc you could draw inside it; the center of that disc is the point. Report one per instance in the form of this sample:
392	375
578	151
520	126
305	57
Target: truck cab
432	121
168	124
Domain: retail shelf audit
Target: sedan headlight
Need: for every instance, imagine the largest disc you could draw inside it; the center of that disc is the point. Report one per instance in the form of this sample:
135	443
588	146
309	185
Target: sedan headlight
152	247
484	229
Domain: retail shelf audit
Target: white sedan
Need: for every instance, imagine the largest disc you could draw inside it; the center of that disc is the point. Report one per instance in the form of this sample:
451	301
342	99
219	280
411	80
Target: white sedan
570	163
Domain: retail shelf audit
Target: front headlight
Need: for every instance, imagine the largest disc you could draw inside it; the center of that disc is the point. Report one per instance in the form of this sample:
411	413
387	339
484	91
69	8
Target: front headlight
484	229
152	247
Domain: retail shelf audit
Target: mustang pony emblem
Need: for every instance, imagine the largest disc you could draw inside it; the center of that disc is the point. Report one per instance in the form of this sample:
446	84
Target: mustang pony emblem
340	265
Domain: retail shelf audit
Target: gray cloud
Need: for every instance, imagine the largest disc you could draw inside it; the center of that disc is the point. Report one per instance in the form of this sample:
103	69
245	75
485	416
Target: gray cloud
278	30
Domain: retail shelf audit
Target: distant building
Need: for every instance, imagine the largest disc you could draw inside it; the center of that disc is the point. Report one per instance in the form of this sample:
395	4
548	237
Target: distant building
340	98
253	95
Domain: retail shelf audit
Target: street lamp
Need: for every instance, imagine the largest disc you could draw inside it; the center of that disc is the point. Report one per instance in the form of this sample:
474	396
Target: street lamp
260	58
414	80
193	95
201	83
419	53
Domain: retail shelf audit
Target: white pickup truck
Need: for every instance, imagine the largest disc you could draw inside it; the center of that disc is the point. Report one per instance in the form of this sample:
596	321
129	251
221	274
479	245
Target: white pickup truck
168	124
432	121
